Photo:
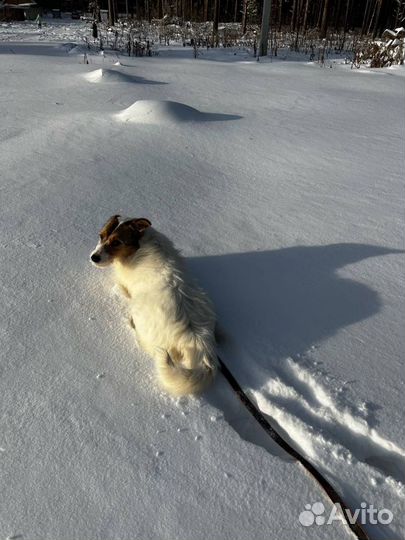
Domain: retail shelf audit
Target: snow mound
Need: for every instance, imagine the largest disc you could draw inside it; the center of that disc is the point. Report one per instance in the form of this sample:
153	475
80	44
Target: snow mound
105	75
150	111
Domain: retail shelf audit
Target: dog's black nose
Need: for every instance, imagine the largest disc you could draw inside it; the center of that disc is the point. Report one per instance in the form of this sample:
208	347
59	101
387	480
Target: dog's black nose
95	258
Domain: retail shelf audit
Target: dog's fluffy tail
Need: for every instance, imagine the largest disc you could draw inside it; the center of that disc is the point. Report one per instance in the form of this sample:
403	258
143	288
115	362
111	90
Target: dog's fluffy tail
179	380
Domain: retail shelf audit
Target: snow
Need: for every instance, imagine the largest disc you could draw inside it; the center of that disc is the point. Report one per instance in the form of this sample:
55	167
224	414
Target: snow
149	111
288	204
158	112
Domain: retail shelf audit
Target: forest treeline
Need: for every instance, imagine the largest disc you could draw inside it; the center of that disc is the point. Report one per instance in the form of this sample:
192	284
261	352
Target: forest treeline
366	16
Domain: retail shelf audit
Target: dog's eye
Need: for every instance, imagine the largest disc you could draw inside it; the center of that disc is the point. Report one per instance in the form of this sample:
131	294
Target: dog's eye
115	243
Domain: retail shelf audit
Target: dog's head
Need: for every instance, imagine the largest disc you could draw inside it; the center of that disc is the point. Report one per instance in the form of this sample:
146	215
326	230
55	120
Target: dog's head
118	240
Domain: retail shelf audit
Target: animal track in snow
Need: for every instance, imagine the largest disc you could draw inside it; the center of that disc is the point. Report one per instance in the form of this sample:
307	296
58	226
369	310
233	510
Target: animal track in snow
301	405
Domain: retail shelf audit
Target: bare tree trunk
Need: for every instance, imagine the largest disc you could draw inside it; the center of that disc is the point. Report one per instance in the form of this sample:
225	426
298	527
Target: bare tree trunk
115	6
297	24
244	16
346	17
298	17
226	9
264	31
398	16
318	24
377	18
235	13
215	25
372	17
280	14
305	22
338	11
365	18
345	23
111	18
205	10
325	16
293	15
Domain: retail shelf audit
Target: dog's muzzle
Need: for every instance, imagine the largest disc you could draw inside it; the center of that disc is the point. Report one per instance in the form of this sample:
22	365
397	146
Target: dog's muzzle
99	258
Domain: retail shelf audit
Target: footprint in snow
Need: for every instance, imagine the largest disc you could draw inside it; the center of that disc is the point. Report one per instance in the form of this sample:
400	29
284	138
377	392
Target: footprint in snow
302	405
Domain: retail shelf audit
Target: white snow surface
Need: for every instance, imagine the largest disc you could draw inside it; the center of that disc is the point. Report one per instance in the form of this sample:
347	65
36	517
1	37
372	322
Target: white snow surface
285	194
158	112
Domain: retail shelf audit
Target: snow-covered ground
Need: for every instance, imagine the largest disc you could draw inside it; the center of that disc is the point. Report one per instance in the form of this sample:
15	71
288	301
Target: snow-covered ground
282	183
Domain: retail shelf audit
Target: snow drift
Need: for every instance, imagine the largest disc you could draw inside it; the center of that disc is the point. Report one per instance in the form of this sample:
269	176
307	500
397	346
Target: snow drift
107	75
150	111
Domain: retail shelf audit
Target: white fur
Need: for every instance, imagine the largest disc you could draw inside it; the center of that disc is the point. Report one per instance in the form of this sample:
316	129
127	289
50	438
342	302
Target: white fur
173	318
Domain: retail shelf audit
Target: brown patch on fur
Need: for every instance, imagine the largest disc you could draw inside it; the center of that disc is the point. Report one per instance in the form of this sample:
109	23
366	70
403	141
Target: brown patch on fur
124	240
121	240
142	224
120	251
109	227
138	226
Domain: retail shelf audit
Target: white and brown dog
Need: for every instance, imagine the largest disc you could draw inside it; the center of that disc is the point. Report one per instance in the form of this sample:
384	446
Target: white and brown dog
173	318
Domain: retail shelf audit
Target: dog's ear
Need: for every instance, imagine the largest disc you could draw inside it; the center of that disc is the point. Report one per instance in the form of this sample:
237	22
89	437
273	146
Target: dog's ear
141	224
109	226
